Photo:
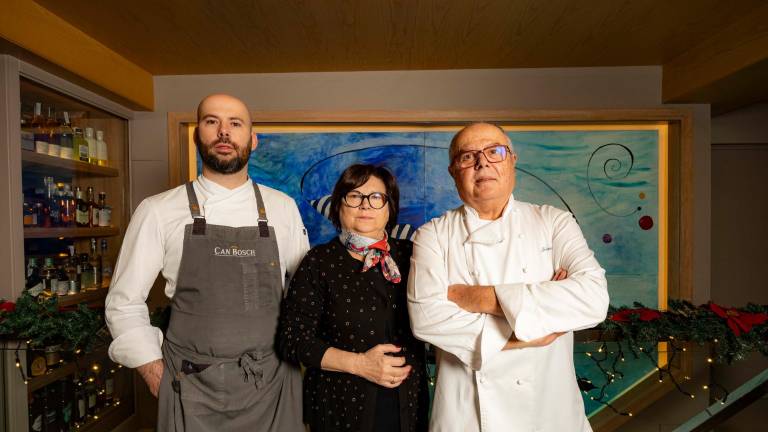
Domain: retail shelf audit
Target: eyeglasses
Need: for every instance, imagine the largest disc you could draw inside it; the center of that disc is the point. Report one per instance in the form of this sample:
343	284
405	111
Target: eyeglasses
355	199
494	154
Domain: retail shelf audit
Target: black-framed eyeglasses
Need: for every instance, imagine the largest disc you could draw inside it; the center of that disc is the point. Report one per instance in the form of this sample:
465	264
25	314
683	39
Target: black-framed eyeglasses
493	153
355	199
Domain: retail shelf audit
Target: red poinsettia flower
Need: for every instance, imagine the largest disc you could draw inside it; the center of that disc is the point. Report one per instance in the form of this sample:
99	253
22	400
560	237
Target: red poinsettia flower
6	306
738	321
643	314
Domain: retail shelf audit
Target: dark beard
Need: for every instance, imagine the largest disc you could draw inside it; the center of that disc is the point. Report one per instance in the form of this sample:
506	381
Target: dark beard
229	166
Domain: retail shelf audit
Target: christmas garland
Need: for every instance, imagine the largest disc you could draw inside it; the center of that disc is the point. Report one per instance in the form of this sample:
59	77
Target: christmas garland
735	332
41	322
732	334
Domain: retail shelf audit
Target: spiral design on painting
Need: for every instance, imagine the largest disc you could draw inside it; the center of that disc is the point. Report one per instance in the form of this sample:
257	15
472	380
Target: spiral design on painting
615	166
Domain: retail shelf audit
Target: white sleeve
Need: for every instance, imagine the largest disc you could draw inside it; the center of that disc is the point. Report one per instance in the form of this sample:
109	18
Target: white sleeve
472	337
298	243
535	310
135	340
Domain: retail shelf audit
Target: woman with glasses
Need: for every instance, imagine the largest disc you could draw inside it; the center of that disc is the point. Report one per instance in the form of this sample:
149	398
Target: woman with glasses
345	317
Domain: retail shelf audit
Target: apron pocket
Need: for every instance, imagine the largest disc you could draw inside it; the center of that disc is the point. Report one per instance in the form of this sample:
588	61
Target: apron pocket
201	393
258	289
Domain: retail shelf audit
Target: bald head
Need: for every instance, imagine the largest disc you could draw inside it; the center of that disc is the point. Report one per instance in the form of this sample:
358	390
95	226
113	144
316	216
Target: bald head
220	102
474	128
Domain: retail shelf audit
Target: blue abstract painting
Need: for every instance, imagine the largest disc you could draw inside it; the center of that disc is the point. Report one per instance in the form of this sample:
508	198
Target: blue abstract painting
609	178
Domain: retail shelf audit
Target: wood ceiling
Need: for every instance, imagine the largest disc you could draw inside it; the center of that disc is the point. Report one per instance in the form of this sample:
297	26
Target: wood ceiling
710	51
240	36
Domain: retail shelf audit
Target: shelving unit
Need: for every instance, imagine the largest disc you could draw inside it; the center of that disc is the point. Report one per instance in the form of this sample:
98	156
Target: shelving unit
43	164
23	171
95	297
36	383
43	233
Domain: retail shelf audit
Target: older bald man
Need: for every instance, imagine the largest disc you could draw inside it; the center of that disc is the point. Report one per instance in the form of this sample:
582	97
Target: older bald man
225	246
498	285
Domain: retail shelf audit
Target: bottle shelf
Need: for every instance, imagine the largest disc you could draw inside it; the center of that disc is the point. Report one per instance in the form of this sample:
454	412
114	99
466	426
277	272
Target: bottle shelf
93	296
107	418
39	233
45	165
66	369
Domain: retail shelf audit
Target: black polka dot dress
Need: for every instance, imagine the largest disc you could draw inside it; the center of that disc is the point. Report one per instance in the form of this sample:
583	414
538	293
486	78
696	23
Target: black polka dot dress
331	303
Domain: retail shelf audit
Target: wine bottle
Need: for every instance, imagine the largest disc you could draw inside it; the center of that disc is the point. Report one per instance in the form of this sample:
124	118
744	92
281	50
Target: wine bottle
67	138
38	126
54	134
82	218
80	145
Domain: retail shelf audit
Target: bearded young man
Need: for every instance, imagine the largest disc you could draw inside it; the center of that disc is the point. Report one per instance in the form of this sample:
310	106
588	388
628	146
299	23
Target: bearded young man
225	247
498	285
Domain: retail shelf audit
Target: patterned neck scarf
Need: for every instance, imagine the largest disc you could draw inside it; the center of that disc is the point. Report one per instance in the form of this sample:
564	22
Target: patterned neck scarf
374	252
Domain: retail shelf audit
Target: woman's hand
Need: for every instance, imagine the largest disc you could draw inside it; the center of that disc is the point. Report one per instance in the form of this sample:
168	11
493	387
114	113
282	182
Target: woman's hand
382	369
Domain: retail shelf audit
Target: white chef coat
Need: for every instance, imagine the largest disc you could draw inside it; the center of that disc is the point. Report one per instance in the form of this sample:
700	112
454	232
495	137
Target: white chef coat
479	386
154	241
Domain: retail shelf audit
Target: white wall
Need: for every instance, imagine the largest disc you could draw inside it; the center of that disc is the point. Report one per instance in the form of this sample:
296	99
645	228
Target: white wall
557	88
745	126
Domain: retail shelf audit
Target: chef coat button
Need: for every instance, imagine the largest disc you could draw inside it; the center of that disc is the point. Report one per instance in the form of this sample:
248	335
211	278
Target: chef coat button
521	236
525	270
519	382
480	377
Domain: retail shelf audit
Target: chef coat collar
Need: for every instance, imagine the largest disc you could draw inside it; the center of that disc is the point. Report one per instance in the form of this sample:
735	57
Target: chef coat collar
485	232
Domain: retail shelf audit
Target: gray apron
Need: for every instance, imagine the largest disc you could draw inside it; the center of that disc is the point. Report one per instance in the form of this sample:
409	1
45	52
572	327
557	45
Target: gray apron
221	372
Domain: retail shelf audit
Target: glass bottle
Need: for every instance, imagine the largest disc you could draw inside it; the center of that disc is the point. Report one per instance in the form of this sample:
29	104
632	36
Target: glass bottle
81	411
38	214
80	145
38	126
34	281
92	147
82	218
65	216
51	408
109	387
67	138
105	215
71	268
28	213
95	264
62	284
36	411
87	281
52	201
48	275
90	391
54	134
66	404
71	205
106	265
101	149
93	209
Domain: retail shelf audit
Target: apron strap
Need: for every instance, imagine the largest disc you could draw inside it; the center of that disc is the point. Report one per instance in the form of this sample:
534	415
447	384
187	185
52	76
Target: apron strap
198	226
263	227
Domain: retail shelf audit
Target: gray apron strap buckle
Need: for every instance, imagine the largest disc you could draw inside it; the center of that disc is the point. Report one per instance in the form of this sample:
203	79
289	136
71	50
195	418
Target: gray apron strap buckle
263	222
198	225
263	228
